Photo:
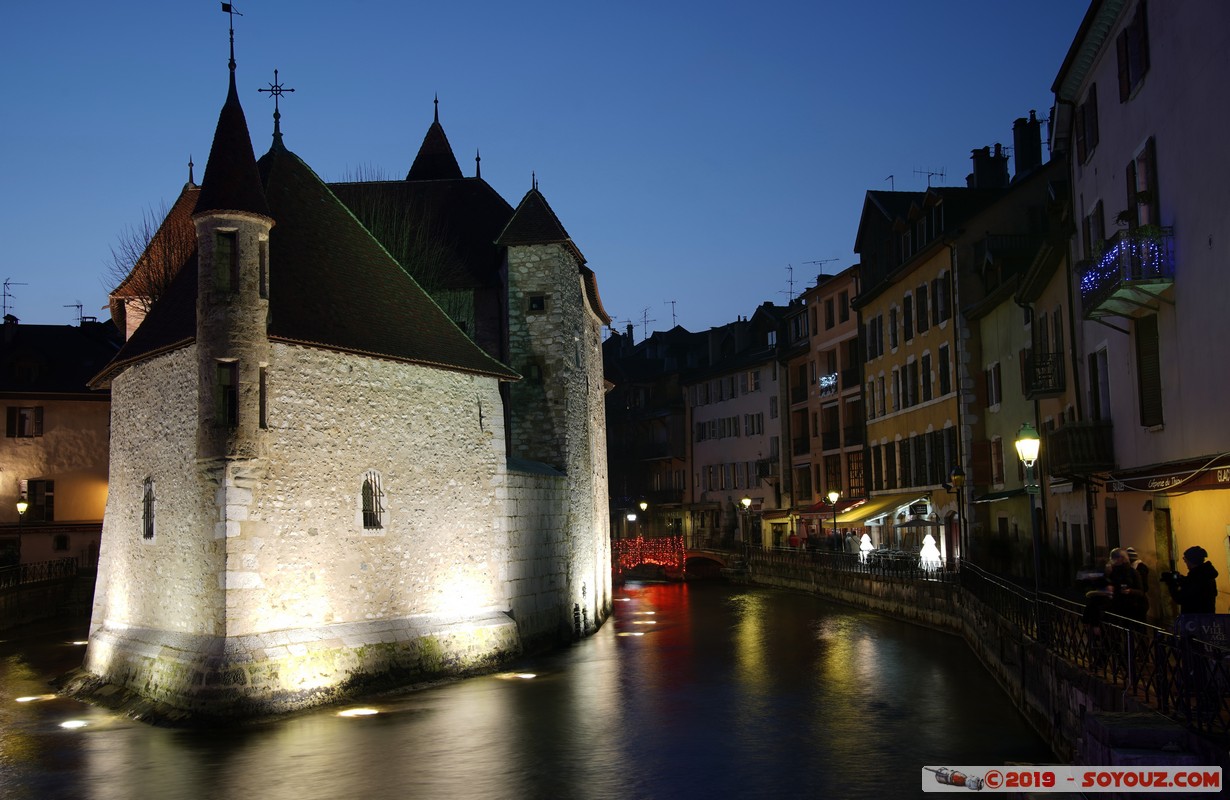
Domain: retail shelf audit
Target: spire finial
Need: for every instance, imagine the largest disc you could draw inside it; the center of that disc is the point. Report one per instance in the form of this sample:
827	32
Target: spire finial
229	9
437	104
478	164
276	90
191	182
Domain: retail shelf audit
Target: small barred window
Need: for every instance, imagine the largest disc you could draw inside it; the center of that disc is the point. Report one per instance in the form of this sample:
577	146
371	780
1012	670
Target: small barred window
373	502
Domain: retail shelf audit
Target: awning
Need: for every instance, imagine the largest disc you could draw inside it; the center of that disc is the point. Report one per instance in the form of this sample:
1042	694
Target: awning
918	523
991	497
1208	472
823	506
876	506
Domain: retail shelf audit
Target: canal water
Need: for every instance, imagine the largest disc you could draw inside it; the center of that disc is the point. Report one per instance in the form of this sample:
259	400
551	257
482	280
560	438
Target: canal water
700	690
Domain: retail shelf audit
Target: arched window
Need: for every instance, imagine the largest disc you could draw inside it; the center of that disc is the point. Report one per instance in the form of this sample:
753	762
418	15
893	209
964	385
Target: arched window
147	509
373	501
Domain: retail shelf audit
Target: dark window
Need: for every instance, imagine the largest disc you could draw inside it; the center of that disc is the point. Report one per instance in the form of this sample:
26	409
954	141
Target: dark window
538	303
923	321
1132	49
1149	371
41	497
1086	119
1142	188
59	543
926	377
264	267
147	509
373	502
843	307
226	261
263	398
907	317
23	422
893	331
945	375
226	395
854	474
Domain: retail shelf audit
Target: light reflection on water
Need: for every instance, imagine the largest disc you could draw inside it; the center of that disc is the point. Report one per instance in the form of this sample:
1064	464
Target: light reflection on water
732	692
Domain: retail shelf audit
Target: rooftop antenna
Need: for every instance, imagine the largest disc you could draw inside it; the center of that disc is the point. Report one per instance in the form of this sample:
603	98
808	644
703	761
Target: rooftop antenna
645	320
789	282
5	305
78	307
671	303
891	185
930	173
822	262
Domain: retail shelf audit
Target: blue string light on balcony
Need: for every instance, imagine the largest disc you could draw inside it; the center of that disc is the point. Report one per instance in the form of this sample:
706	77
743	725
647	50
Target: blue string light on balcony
1129	258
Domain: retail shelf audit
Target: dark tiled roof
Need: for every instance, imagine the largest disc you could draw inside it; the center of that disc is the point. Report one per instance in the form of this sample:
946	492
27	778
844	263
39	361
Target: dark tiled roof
435	160
534	223
231	181
172	244
55	359
462	219
333	285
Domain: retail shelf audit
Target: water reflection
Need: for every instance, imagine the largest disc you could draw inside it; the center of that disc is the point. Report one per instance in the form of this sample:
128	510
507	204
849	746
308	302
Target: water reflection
730	692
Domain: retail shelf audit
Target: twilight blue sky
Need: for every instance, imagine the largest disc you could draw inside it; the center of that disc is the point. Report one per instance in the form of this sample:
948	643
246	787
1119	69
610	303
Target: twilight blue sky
693	150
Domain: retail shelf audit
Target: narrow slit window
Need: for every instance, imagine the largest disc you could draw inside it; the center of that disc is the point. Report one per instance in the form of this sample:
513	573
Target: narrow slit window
373	502
147	509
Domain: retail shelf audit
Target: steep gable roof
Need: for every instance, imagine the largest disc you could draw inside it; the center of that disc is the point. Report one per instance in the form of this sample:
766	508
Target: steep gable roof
534	223
435	160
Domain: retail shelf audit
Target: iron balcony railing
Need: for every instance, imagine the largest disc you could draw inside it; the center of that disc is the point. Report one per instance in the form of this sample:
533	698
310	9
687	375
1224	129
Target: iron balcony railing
1136	268
1044	375
830	440
798	394
851	378
1079	449
38	572
853	435
802	446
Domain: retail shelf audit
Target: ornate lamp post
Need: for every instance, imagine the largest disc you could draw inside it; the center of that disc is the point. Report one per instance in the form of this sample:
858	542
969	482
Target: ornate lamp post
833	496
957	481
22	505
644	518
1027	445
746	504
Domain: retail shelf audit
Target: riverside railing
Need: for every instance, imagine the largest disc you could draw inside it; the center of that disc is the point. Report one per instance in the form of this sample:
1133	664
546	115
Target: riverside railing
1181	676
38	572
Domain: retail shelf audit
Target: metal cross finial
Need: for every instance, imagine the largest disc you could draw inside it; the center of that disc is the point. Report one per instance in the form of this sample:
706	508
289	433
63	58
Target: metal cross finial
276	90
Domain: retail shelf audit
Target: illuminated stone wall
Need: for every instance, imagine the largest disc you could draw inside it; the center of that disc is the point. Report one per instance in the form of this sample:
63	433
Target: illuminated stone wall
559	419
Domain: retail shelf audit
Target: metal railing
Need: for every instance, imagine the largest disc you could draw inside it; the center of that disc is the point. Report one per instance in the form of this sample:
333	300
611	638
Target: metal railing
37	572
1181	676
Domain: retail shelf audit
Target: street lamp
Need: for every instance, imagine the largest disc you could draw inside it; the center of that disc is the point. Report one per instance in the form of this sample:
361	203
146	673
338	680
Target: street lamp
1027	446
833	496
957	480
22	505
631	523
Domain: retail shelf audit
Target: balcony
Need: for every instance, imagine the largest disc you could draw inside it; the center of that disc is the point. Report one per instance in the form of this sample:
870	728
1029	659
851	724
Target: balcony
1044	375
850	378
802	446
798	394
830	440
853	435
1131	278
768	469
1079	449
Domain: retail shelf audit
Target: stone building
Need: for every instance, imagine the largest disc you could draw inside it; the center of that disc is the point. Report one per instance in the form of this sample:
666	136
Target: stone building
319	480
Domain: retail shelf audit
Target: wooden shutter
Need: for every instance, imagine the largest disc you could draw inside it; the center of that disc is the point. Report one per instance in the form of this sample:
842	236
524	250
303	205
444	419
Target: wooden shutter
10	422
1125	79
1149	371
38	421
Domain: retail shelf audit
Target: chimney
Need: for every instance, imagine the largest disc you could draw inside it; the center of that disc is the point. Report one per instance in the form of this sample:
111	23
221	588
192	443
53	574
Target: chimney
10	328
990	171
1027	144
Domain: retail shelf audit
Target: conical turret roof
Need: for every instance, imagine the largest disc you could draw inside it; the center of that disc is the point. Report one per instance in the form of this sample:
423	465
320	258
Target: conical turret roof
232	182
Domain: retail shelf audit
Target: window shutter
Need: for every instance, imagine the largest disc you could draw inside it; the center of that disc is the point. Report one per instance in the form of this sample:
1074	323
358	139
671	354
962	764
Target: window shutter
1091	117
1080	134
1149	371
1125	80
10	422
38	421
1023	358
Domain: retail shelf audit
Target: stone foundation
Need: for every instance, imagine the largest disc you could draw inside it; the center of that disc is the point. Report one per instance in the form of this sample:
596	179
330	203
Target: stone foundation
164	677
